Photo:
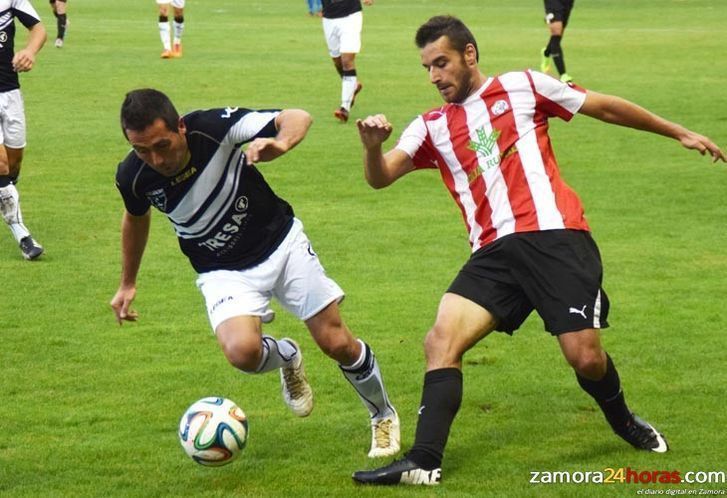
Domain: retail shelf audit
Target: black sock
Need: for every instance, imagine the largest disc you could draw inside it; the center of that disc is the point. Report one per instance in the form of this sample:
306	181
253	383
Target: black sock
163	18
348	72
61	24
607	393
441	397
179	19
5	180
553	50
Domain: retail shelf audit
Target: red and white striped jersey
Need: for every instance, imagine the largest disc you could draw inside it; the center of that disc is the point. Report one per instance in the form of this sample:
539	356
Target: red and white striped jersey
495	156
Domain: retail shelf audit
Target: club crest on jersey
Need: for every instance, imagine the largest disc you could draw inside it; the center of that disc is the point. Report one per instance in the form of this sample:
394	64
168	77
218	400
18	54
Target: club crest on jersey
485	145
499	107
158	198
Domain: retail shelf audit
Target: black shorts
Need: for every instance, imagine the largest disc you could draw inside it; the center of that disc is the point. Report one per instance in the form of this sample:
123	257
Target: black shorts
558	10
556	272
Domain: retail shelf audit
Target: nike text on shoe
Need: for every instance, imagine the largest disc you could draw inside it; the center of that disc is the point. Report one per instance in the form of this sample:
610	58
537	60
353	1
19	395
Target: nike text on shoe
402	471
359	86
297	393
642	435
341	114
30	248
384	436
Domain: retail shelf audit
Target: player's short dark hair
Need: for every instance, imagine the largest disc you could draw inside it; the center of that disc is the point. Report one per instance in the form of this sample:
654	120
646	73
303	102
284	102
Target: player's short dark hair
144	106
459	35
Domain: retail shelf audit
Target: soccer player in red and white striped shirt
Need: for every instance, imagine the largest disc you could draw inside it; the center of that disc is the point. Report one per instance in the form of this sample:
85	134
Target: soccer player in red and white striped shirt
531	246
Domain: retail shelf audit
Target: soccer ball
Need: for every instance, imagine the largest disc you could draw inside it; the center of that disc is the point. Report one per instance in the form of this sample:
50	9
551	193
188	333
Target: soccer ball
213	431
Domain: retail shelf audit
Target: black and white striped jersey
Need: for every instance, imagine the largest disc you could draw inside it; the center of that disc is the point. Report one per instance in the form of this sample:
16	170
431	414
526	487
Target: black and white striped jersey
224	213
9	10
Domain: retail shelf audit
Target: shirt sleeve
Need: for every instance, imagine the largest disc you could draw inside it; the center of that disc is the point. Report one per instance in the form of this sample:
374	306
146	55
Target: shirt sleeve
134	204
251	125
416	143
25	12
556	98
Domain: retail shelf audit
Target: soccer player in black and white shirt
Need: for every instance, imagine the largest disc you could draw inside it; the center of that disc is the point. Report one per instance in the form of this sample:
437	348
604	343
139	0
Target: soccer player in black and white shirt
12	113
244	241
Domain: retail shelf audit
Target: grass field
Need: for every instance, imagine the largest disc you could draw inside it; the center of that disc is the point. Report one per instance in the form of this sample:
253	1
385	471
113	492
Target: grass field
91	409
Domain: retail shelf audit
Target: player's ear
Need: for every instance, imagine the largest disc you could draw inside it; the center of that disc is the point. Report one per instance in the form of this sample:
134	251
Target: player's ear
181	128
470	55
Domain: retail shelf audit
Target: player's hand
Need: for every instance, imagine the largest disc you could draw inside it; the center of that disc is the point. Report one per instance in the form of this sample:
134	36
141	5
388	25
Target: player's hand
368	2
704	145
264	149
121	304
374	130
23	60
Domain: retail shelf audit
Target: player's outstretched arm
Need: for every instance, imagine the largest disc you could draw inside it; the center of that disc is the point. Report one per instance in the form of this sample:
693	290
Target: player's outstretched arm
24	59
292	126
618	111
134	235
381	169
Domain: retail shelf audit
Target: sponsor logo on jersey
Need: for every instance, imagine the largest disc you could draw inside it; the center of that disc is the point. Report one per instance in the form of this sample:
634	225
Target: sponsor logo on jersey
230	230
485	145
184	176
241	204
158	198
3	38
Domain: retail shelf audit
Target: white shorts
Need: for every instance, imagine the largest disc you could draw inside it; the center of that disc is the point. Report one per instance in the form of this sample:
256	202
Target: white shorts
292	274
12	119
177	4
343	35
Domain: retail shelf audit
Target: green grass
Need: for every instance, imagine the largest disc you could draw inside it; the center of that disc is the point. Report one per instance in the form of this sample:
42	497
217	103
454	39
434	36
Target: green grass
91	409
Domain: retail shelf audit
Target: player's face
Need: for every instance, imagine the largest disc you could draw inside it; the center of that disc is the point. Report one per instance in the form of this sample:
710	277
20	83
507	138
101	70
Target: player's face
454	73
161	148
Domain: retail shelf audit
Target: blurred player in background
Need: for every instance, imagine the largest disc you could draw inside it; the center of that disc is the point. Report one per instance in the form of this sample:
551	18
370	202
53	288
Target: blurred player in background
531	244
172	48
557	13
315	7
245	243
12	113
59	10
342	23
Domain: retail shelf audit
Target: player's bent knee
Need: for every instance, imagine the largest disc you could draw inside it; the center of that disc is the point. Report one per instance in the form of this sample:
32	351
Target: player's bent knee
241	355
339	345
590	364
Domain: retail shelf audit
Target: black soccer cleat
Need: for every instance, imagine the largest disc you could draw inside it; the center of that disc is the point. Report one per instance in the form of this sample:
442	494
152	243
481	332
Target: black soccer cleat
643	436
402	471
30	248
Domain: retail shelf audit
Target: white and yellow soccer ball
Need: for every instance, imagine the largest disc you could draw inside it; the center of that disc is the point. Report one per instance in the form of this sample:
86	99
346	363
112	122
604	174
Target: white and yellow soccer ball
213	431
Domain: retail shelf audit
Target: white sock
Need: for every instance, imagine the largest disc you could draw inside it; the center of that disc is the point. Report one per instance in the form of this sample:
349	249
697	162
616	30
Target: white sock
164	35
178	31
276	354
10	207
348	87
365	377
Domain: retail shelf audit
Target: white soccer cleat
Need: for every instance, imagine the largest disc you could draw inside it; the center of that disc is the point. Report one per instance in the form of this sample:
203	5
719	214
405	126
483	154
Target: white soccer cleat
297	393
385	436
59	42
